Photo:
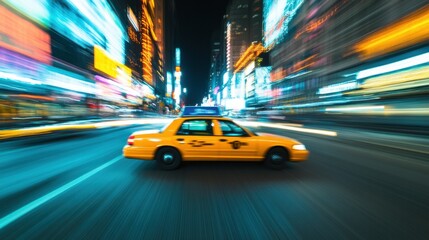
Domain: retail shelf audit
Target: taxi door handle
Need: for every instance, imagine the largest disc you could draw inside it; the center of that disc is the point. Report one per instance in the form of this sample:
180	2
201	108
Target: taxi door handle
180	139
223	140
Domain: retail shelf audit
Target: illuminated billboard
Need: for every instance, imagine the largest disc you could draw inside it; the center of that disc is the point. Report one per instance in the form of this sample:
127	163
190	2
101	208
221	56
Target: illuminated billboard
86	23
277	16
169	86
89	23
111	67
23	37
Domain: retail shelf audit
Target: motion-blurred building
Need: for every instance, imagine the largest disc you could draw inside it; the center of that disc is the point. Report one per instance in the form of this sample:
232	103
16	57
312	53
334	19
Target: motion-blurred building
242	28
327	58
152	45
215	79
348	57
169	60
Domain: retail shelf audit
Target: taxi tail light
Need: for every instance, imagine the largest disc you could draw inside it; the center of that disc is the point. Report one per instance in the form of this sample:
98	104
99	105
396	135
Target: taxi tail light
131	140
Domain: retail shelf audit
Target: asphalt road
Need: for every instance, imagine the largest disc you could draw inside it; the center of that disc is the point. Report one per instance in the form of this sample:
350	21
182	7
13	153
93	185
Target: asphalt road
357	185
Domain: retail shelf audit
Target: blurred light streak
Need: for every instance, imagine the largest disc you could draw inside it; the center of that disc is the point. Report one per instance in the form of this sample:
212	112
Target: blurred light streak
63	79
399	65
37	10
293	124
11	217
339	87
133	19
408	111
414	78
149	131
297	74
7	134
13	133
408	31
14	77
288	127
34	97
391	88
332	95
131	122
400	77
355	109
8	86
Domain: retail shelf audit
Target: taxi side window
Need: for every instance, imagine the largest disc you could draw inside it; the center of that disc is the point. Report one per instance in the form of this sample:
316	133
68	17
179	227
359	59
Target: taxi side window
196	127
231	129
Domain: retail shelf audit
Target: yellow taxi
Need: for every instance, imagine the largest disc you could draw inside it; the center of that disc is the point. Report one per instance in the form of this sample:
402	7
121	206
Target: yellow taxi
202	134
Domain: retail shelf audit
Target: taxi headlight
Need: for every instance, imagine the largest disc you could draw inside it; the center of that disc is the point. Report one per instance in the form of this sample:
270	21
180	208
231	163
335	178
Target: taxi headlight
298	147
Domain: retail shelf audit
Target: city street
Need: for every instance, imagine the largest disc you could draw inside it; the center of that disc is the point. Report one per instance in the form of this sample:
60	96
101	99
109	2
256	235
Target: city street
359	184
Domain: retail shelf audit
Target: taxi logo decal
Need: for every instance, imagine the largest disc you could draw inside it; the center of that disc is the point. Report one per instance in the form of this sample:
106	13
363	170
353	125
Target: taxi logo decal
237	144
197	143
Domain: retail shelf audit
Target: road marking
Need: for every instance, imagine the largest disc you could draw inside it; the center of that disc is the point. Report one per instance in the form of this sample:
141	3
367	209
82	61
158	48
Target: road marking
6	220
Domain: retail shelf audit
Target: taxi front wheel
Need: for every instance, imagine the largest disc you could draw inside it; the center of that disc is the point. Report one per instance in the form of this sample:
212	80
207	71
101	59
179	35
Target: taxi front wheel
168	158
277	158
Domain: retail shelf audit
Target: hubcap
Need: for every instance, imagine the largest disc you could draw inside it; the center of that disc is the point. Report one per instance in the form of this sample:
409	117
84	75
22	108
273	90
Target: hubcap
168	158
276	158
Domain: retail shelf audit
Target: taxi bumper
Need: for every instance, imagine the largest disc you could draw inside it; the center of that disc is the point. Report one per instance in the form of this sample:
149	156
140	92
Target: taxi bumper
299	155
137	153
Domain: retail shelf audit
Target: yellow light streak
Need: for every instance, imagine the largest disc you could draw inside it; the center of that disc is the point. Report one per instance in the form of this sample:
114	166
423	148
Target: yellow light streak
34	131
408	31
417	77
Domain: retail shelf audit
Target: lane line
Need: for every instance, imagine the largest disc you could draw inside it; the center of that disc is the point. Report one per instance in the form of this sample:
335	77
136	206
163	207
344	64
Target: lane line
6	220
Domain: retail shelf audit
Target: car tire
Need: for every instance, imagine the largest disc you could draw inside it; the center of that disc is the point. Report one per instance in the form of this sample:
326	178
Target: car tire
168	158
277	158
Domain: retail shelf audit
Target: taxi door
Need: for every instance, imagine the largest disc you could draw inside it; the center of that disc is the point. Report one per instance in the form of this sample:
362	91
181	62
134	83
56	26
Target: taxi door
234	143
196	141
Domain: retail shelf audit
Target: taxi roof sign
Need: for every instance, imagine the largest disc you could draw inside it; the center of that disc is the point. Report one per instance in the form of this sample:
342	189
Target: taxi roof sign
191	111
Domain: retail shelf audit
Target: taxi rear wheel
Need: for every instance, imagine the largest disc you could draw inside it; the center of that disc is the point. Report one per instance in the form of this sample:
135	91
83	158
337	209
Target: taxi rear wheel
168	158
277	158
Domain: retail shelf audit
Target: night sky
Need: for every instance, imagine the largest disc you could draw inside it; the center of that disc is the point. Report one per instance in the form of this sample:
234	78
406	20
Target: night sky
197	20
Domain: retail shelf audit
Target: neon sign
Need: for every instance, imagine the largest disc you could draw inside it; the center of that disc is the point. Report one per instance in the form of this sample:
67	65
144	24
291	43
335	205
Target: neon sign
277	16
318	22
